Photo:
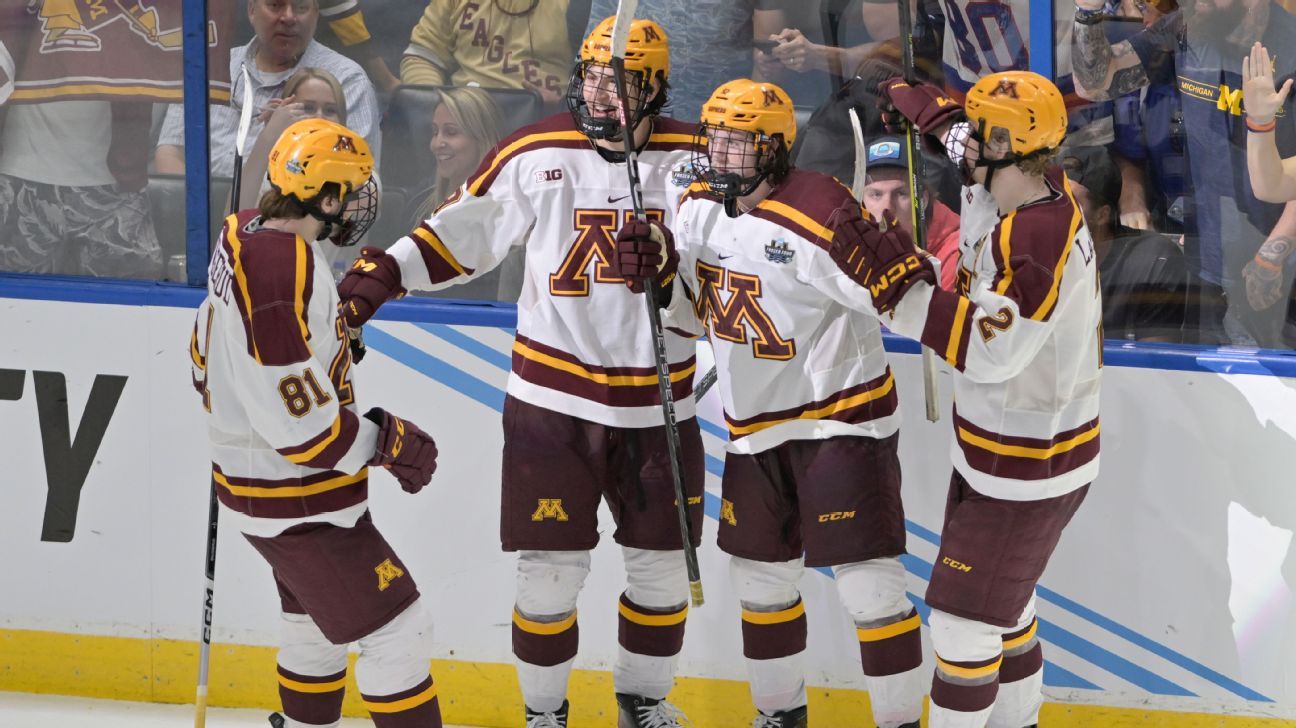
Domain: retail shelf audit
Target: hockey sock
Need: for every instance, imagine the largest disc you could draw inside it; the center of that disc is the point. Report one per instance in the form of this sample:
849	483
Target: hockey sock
773	643
891	654
417	707
1021	679
963	693
650	642
312	700
545	647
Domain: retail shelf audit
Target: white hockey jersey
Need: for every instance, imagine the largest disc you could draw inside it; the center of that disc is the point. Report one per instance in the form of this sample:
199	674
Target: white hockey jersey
982	38
798	350
272	362
583	345
1024	332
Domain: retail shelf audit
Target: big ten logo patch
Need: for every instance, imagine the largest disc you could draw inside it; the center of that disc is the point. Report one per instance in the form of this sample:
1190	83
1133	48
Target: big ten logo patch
595	244
956	565
387	573
495	50
836	516
727	512
549	175
731	316
549	508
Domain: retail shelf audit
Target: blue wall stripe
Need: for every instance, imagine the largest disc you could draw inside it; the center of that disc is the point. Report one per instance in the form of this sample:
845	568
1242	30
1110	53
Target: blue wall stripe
482	351
424	363
1110	661
1060	677
1135	355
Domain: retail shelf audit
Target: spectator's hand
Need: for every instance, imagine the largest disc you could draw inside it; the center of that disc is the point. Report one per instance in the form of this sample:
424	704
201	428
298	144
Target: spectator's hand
881	258
922	103
645	251
1264	274
767	66
1136	219
374	279
796	52
280	114
407	452
1262	100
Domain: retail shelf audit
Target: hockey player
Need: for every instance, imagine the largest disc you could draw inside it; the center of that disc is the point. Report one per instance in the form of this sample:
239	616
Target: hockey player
582	419
1023	333
812	476
290	455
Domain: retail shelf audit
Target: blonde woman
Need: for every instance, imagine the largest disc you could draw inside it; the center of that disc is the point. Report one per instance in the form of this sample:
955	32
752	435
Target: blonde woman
465	125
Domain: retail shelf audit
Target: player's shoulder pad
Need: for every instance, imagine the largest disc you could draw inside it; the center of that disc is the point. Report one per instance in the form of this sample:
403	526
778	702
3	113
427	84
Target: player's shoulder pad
1031	246
557	131
804	204
274	275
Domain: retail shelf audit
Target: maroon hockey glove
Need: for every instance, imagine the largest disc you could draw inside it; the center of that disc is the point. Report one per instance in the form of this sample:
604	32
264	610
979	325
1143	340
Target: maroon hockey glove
645	251
374	279
881	258
407	452
922	104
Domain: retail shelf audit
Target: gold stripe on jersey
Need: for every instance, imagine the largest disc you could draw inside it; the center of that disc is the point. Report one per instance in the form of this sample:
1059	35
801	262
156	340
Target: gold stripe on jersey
428	238
544	628
299	289
290	491
475	184
302	458
956	331
825	412
1005	249
1024	451
610	380
1046	307
653	620
305	687
240	276
797	217
895	629
399	706
779	617
671	138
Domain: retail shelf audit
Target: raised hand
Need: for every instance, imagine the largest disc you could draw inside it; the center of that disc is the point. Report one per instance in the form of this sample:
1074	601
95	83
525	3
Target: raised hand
1262	100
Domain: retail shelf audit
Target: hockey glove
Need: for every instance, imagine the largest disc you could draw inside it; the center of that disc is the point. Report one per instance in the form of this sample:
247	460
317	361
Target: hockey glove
645	251
921	104
881	258
374	279
407	452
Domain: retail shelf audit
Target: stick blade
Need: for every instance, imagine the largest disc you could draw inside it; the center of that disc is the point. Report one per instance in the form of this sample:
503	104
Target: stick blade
621	28
245	118
861	155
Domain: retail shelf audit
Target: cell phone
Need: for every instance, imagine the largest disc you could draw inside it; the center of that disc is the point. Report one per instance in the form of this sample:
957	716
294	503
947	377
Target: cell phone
765	46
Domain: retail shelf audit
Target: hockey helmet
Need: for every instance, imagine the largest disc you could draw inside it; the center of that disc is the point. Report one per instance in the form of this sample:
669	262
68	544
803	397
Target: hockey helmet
1025	105
647	60
313	153
765	113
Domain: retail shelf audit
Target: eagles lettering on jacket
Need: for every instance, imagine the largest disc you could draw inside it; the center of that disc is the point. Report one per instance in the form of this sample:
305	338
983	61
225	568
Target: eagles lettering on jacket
799	351
271	360
583	345
1024	333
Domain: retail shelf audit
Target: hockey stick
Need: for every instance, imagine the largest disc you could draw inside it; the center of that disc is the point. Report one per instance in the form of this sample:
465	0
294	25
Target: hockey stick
213	507
917	193
620	38
708	381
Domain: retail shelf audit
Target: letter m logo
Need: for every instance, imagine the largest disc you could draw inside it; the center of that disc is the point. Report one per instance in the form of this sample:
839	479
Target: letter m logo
549	508
1229	100
731	319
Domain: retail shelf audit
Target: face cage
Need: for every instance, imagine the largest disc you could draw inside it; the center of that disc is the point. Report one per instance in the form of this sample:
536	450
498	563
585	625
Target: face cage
731	184
359	213
956	146
599	127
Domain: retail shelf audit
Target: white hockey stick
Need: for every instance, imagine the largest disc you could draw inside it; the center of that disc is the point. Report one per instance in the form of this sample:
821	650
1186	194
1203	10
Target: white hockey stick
213	507
620	38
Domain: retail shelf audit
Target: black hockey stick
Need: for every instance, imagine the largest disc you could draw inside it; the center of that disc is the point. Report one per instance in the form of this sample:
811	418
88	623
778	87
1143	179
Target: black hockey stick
213	506
620	37
917	193
708	381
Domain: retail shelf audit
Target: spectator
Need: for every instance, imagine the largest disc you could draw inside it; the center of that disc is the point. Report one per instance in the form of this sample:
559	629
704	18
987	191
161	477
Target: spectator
1269	275
346	21
1207	42
283	44
887	190
465	125
708	47
500	44
310	93
797	53
1143	275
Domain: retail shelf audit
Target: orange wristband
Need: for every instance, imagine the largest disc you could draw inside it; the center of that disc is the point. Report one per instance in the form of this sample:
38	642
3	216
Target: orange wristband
1261	128
1271	267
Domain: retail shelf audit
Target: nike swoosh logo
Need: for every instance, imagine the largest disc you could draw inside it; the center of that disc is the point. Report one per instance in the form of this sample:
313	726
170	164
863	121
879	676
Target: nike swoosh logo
612	201
724	257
